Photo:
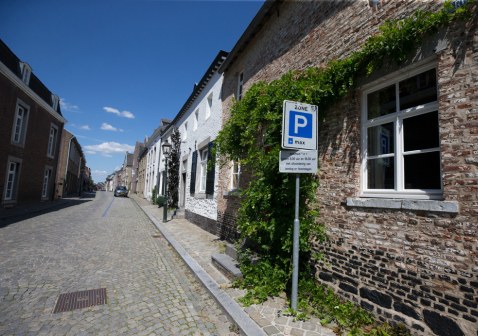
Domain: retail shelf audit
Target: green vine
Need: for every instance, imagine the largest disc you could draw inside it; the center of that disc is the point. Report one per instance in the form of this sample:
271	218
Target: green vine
252	135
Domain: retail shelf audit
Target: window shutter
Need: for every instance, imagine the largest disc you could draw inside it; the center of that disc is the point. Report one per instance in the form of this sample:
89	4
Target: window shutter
194	161
211	172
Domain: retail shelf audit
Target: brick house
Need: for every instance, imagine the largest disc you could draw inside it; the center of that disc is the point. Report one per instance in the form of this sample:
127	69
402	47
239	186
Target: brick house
30	133
70	166
141	172
127	176
399	184
199	122
138	148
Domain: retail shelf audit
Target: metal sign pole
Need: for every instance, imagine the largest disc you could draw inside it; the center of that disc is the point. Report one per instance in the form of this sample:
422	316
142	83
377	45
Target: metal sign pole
299	133
295	247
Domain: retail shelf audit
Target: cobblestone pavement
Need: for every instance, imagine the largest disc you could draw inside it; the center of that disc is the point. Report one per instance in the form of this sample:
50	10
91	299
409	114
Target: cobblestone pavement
200	245
104	242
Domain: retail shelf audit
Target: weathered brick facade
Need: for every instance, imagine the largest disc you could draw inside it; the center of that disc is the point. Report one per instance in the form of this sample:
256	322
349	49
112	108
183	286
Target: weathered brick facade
406	260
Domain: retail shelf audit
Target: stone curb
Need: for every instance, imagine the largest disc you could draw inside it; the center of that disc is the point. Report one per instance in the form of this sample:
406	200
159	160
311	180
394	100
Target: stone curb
246	325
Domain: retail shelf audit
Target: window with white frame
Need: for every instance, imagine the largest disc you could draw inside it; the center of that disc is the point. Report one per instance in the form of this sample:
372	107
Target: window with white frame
26	72
196	119
185	133
54	101
235	175
46	182
52	139
208	106
400	137
240	84
11	181
20	123
203	165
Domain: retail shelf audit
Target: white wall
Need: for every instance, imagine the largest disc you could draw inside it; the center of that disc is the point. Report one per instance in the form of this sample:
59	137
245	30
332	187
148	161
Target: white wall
152	158
209	127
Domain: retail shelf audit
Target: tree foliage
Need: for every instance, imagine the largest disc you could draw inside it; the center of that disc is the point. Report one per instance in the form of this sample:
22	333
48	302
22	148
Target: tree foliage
173	169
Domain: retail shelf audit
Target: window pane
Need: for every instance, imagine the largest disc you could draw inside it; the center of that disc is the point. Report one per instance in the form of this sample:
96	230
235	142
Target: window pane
381	102
422	171
235	181
418	90
421	132
381	173
380	139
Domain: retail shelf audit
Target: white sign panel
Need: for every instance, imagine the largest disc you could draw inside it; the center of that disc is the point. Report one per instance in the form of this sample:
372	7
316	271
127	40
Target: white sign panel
298	161
299	126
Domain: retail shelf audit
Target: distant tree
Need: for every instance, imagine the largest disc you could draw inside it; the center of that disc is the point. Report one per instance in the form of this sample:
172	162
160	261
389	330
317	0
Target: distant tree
173	169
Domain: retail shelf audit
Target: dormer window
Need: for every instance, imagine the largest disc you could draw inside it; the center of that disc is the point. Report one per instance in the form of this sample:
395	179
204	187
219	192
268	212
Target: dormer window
209	106
25	71
54	101
240	84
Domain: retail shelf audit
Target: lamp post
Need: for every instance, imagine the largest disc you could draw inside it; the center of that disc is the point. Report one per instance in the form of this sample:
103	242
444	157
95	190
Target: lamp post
166	152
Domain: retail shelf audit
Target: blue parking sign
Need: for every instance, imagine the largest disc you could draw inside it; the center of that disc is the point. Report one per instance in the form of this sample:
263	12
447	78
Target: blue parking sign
299	126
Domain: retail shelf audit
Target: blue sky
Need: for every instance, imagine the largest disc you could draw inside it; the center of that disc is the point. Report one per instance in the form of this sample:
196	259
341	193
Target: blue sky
119	66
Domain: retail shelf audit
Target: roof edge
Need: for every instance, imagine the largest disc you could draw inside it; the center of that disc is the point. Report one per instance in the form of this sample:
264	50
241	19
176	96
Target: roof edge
251	30
214	67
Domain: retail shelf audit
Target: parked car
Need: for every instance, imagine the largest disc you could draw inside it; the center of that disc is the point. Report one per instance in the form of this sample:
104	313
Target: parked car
121	191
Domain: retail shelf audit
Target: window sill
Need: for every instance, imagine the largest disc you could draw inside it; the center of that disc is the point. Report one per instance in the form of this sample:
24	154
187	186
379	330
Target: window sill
234	192
200	195
404	204
8	204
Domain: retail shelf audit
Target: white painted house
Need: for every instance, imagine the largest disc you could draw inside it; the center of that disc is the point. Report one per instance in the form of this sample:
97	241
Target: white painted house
153	146
199	122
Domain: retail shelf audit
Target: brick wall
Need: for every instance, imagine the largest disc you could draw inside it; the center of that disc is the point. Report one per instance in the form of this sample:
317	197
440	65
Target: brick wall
406	265
34	152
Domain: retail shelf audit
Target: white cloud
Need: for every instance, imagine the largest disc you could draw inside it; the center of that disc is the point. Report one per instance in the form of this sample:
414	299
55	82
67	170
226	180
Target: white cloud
108	127
85	127
108	148
124	114
127	114
111	110
66	106
99	172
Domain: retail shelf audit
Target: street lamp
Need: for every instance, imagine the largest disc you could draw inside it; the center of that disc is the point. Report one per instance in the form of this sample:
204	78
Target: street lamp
166	152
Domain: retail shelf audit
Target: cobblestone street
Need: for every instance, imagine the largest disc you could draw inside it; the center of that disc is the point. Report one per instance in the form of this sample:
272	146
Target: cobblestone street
103	242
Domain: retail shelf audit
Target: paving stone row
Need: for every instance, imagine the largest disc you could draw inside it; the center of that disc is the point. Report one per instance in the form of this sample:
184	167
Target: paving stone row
200	245
104	242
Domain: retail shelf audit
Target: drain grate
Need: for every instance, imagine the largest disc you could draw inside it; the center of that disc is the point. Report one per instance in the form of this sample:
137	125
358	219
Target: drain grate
79	300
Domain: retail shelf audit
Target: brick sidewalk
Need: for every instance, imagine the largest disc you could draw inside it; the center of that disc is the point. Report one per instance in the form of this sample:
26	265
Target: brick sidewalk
196	246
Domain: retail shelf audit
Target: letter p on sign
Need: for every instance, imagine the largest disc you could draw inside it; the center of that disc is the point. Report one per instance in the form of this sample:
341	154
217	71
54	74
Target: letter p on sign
300	124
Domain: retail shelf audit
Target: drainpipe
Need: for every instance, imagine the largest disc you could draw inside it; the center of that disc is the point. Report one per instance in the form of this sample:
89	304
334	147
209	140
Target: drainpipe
67	162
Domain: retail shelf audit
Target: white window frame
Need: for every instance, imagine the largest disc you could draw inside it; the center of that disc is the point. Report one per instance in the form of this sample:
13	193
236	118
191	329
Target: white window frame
208	106
398	154
203	169
52	140
185	133
54	101
235	172
196	119
46	182
240	86
20	123
12	177
26	72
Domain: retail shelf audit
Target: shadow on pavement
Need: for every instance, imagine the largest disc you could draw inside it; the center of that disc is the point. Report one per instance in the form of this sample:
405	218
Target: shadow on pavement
23	212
